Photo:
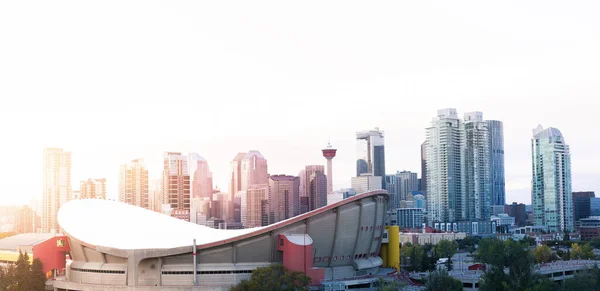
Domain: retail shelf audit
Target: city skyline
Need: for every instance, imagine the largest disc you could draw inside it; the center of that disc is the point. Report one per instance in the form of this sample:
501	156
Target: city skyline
238	82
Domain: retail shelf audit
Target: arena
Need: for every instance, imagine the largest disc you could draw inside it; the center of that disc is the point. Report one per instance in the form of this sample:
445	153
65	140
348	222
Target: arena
116	246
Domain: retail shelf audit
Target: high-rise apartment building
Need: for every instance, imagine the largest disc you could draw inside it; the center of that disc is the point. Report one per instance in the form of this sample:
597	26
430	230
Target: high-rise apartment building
93	188
475	164
314	181
284	197
57	186
370	154
496	151
443	168
424	168
409	182
25	220
256	205
134	184
551	194
176	184
201	184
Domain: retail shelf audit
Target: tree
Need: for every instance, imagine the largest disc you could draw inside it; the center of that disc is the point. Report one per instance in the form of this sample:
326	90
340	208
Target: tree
509	254
446	249
529	240
584	252
584	281
37	277
542	254
274	278
22	270
440	280
384	285
595	243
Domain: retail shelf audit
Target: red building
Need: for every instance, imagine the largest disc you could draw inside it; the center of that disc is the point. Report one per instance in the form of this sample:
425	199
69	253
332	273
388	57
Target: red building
50	249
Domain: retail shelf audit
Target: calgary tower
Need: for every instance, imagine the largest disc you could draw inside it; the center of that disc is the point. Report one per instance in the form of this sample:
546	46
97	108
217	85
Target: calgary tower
329	154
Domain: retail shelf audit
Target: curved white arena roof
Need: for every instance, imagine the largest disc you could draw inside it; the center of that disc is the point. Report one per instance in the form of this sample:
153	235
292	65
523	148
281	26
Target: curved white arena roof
118	225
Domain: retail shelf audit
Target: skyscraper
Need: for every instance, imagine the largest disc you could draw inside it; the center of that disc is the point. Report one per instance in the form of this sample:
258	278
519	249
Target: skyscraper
93	188
443	176
176	183
424	168
408	183
392	184
476	190
315	182
284	199
134	184
236	174
496	150
256	210
551	194
57	186
365	183
370	154
201	184
254	170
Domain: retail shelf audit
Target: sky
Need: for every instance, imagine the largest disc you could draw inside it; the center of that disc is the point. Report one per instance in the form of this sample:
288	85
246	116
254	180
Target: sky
113	81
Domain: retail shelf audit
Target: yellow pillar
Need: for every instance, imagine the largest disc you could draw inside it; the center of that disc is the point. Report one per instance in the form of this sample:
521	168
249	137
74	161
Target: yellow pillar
393	249
384	255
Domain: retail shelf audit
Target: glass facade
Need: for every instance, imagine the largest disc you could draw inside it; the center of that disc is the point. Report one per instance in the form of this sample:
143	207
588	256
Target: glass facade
370	154
594	206
475	169
496	152
551	194
392	184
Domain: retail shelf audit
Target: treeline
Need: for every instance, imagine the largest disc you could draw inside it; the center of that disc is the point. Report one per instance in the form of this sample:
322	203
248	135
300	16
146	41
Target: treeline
22	276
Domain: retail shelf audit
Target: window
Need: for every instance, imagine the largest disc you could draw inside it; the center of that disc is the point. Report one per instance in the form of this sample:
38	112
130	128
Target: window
280	242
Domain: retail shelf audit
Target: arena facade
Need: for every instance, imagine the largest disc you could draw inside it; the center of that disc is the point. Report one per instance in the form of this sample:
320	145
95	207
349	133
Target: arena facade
116	246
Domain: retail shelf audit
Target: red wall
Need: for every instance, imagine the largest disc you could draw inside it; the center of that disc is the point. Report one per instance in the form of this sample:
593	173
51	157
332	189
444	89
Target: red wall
300	258
52	255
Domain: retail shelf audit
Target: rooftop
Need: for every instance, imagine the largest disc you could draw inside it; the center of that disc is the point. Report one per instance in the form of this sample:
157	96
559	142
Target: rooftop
12	243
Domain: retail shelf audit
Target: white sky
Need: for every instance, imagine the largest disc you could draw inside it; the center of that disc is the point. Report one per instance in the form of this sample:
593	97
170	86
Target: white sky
117	80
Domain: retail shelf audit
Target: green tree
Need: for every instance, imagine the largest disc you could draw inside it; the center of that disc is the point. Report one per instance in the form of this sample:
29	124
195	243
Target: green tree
22	272
37	277
384	285
416	258
446	249
440	280
584	281
529	240
542	254
584	252
274	278
9	279
595	243
509	254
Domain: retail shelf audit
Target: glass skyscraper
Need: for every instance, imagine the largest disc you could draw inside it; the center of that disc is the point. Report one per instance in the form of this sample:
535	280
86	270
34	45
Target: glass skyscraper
551	180
475	168
496	152
370	154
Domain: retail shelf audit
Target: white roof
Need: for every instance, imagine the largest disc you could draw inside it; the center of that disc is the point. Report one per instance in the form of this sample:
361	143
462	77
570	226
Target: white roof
118	225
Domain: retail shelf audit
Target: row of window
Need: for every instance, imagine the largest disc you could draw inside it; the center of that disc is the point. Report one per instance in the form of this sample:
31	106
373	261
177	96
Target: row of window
342	258
99	271
206	272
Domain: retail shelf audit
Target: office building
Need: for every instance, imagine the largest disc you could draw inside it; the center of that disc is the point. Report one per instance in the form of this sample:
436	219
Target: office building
551	186
314	182
176	184
370	152
339	195
443	177
134	184
496	152
57	186
365	183
392	184
201	184
236	174
581	204
93	189
517	210
256	210
408	183
419	199
284	197
254	170
25	220
594	206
